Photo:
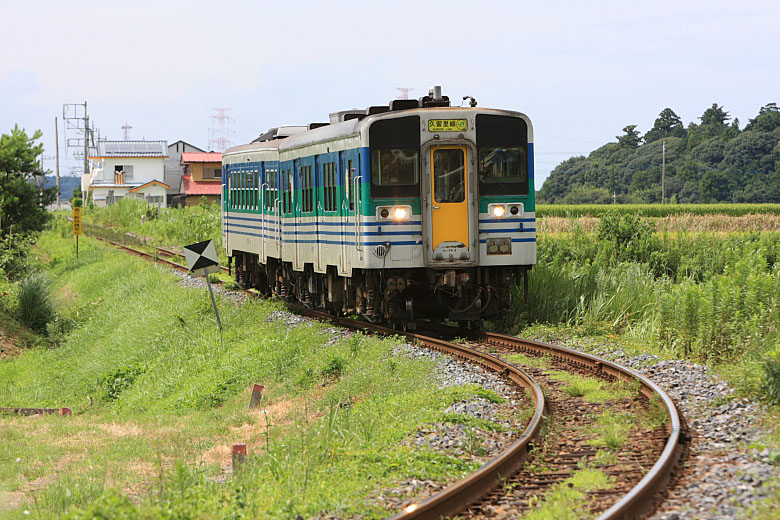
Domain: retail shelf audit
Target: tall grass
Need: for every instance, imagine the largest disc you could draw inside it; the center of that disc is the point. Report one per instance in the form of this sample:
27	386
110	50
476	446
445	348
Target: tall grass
33	303
653	210
704	297
171	226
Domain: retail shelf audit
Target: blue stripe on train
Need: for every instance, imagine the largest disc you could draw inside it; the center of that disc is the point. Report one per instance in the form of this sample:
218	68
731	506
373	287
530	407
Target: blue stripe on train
330	242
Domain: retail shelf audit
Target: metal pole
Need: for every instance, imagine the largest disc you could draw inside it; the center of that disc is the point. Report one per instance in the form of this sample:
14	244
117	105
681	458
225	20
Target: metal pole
86	139
211	293
57	155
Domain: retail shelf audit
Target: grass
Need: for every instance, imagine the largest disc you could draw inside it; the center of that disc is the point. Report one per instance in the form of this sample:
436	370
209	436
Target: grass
568	499
593	390
33	304
158	398
530	361
611	429
654	210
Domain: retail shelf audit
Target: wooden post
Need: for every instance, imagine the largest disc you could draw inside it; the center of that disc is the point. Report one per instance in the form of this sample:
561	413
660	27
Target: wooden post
239	456
257	394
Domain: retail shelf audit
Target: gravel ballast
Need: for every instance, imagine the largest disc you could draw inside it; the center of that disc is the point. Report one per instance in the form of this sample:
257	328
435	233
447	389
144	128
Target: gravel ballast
723	477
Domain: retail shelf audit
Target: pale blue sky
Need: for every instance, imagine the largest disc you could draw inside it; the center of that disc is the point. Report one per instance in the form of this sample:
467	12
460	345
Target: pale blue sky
581	70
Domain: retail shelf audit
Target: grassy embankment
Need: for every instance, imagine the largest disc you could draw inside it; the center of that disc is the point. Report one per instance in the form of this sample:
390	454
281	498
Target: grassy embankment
158	399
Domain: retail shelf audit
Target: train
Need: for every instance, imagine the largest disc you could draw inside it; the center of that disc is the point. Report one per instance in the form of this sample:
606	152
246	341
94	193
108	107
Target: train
412	210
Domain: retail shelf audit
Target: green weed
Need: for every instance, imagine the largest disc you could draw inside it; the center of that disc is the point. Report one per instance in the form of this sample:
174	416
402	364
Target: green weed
565	500
33	303
612	429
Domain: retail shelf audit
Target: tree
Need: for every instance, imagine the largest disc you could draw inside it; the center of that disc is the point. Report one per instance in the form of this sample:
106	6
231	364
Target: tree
22	202
631	138
767	120
668	124
714	115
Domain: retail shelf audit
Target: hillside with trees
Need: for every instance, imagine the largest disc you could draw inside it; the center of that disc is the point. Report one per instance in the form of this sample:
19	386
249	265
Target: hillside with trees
710	161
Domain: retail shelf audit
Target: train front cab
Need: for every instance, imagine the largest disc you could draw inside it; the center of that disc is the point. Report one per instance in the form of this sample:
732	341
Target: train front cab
476	193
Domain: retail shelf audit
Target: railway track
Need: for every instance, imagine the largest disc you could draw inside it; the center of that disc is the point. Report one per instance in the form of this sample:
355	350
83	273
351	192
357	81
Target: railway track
504	486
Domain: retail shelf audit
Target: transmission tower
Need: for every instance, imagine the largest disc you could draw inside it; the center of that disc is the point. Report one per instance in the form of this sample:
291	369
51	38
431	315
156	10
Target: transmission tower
404	92
220	131
126	130
77	125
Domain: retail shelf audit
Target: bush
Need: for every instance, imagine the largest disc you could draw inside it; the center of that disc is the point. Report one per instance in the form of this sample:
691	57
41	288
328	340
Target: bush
33	303
771	386
120	379
13	255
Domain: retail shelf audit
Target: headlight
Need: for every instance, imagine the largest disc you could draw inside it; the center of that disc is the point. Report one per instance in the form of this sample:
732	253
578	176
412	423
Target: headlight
393	212
496	210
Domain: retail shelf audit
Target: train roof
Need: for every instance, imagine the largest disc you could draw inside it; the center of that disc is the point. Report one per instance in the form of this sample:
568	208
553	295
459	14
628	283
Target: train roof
353	122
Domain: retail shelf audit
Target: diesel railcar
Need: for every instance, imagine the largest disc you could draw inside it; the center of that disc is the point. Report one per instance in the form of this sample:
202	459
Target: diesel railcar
416	208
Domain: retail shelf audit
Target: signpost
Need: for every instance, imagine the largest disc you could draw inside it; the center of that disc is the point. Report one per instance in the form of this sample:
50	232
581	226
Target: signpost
202	260
77	226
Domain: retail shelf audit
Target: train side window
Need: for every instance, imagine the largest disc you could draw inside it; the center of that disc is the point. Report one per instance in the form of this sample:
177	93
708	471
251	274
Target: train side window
349	177
271	180
307	189
330	186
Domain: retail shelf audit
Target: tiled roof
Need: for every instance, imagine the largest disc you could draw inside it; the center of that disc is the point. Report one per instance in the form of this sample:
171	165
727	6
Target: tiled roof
201	157
190	187
132	149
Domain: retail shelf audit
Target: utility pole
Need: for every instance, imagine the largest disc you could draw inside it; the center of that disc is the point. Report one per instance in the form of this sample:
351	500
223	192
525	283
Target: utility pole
57	155
663	167
86	139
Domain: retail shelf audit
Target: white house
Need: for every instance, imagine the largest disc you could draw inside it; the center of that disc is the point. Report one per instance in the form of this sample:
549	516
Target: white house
127	169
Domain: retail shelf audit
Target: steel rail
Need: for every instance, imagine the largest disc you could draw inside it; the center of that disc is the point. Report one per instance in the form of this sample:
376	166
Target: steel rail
639	500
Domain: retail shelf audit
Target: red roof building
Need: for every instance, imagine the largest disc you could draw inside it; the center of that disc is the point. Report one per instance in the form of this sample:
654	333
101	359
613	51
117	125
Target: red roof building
202	177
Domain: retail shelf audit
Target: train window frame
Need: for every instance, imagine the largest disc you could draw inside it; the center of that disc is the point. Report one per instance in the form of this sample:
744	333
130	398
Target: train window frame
498	132
401	137
454	193
349	178
271	188
330	186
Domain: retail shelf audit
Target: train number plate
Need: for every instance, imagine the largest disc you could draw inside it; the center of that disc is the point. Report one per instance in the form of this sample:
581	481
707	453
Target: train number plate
448	125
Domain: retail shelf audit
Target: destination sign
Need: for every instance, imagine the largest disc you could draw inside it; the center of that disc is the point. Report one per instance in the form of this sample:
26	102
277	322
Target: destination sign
448	125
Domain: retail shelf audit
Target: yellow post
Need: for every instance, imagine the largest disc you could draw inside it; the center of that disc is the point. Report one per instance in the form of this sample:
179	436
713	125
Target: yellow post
77	227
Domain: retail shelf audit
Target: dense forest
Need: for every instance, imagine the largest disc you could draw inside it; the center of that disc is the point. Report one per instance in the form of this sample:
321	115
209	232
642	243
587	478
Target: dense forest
710	161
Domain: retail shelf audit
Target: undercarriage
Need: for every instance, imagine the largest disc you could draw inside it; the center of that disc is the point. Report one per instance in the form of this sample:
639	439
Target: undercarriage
394	296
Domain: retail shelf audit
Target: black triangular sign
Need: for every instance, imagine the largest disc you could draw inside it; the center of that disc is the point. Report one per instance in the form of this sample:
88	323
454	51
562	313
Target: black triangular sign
203	262
198	247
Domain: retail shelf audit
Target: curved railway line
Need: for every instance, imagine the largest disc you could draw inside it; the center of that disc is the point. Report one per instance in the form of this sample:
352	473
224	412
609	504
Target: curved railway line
503	484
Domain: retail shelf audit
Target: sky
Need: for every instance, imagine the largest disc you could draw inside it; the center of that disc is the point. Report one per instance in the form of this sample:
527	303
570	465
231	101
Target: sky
581	70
